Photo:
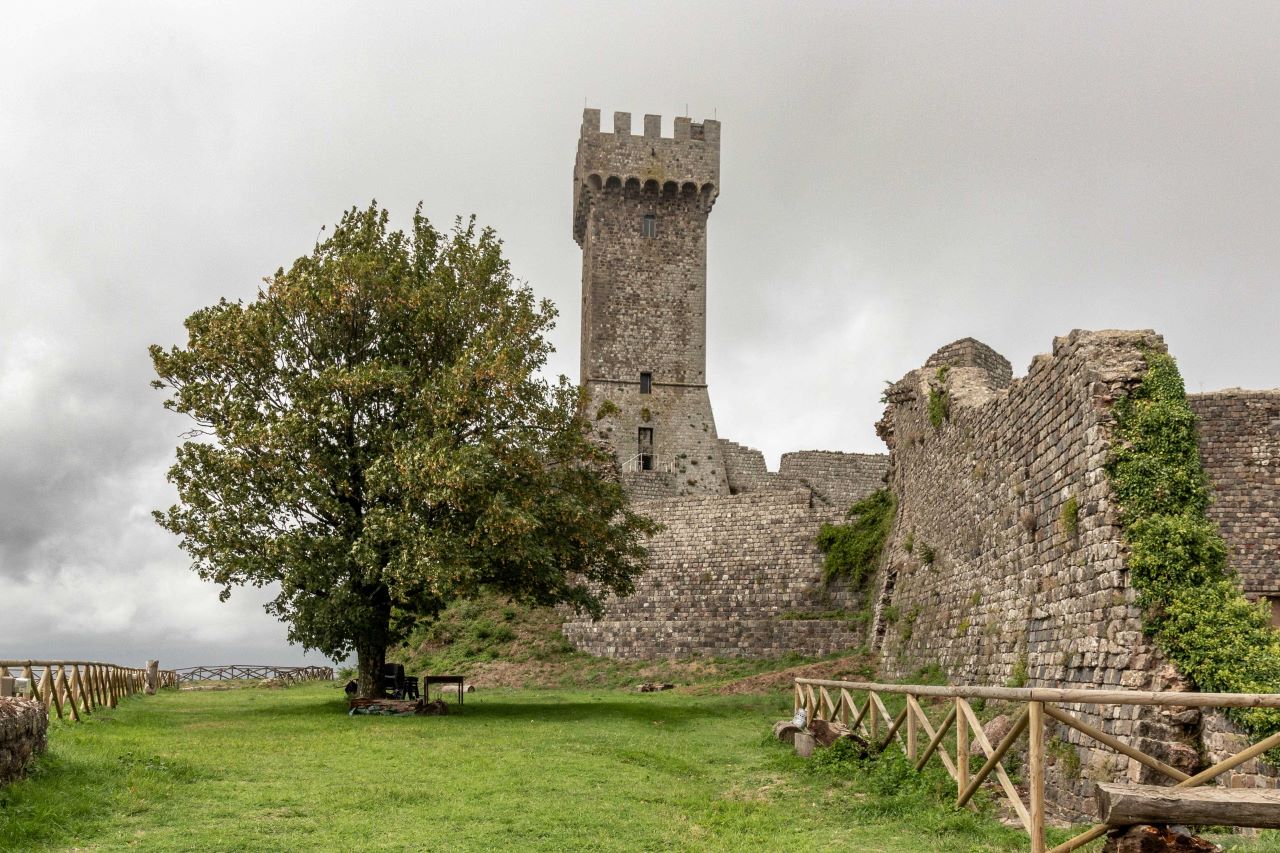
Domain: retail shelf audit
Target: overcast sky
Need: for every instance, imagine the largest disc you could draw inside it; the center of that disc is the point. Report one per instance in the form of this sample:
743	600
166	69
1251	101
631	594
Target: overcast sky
895	176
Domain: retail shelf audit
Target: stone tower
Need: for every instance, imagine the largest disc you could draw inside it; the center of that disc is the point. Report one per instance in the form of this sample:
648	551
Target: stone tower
640	206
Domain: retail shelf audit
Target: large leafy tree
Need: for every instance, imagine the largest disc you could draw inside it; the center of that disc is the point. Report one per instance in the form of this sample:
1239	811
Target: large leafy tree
372	435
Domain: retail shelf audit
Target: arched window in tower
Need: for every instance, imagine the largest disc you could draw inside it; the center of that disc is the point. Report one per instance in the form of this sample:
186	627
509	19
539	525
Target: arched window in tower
646	382
649	225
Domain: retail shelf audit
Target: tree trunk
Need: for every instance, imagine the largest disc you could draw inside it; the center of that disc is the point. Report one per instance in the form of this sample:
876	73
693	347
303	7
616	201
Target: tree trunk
370	659
1119	805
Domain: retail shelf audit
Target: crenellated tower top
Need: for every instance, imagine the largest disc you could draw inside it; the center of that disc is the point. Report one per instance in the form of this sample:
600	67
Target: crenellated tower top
687	163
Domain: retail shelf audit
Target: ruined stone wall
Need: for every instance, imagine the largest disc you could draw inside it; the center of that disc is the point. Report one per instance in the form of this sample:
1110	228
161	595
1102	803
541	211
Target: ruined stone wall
969	352
24	725
648	485
746	468
840	479
1239	438
985	574
731	576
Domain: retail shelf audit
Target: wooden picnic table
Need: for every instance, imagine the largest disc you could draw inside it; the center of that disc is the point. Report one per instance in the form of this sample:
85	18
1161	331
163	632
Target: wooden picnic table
428	680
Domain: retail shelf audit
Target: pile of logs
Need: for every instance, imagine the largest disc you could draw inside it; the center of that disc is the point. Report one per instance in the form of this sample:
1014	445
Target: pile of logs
398	707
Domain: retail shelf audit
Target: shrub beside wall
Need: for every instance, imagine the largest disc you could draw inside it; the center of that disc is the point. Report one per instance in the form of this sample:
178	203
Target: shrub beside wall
853	550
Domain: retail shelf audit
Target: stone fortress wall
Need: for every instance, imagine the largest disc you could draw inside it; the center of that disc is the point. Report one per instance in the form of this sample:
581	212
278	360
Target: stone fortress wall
740	575
730	576
1239	434
985	575
839	479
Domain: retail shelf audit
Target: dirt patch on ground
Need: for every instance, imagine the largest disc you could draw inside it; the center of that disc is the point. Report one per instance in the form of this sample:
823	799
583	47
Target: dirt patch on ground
851	668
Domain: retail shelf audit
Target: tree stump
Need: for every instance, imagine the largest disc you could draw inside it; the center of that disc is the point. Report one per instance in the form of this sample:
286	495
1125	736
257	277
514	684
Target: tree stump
825	733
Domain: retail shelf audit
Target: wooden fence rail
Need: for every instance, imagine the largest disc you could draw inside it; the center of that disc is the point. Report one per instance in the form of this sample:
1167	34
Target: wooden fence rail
1041	707
235	671
71	688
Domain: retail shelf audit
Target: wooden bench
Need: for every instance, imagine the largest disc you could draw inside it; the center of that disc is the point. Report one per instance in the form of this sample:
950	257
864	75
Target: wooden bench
428	680
1122	805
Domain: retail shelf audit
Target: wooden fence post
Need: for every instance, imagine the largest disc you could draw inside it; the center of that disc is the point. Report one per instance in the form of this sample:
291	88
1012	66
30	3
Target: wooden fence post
1035	781
911	730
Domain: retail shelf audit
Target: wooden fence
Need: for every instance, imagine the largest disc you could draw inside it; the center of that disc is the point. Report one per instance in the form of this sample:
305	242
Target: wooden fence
72	688
236	671
912	729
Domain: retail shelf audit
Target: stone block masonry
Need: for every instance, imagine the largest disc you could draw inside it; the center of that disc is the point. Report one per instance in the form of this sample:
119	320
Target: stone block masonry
641	204
24	726
839	479
731	576
1239	438
1006	563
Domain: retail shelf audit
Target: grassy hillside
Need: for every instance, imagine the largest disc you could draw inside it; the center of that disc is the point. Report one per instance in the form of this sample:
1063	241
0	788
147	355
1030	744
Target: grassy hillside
501	644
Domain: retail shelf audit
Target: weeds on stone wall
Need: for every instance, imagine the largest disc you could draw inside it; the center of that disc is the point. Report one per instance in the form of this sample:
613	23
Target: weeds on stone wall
939	400
1191	602
853	549
1018	678
1071	516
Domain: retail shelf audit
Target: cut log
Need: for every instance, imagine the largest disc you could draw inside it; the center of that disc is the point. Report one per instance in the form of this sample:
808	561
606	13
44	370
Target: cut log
1120	805
803	743
785	731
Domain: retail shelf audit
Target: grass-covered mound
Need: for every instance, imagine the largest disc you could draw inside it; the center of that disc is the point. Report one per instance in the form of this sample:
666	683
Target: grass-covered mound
1191	598
499	643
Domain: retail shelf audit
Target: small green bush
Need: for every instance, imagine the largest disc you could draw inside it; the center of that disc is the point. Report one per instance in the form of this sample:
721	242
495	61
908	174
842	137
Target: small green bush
853	549
939	407
1018	678
939	400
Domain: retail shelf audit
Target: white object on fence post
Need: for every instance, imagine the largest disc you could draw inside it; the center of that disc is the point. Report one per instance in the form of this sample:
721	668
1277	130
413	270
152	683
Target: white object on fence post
153	676
6	685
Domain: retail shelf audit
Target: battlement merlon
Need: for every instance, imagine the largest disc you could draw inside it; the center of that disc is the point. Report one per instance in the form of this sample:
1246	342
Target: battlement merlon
688	162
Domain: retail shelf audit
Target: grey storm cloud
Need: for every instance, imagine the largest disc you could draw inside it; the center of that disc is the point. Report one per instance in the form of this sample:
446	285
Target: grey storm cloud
895	176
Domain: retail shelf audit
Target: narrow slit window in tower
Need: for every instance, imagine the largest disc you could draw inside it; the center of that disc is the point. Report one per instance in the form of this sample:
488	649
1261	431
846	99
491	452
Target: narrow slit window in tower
646	448
649	225
646	383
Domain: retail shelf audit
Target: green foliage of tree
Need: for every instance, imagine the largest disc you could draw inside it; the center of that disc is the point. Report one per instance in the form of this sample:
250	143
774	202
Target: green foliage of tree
1191	602
853	549
373	436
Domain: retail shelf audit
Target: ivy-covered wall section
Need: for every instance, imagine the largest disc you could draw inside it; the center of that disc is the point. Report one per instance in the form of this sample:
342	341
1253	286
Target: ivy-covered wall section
1191	599
1050	530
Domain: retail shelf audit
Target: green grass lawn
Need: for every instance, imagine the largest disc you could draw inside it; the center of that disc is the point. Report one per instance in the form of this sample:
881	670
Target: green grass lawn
257	769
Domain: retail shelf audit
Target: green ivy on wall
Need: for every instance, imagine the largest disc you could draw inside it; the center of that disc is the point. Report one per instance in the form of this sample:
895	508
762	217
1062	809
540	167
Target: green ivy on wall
853	549
1191	602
